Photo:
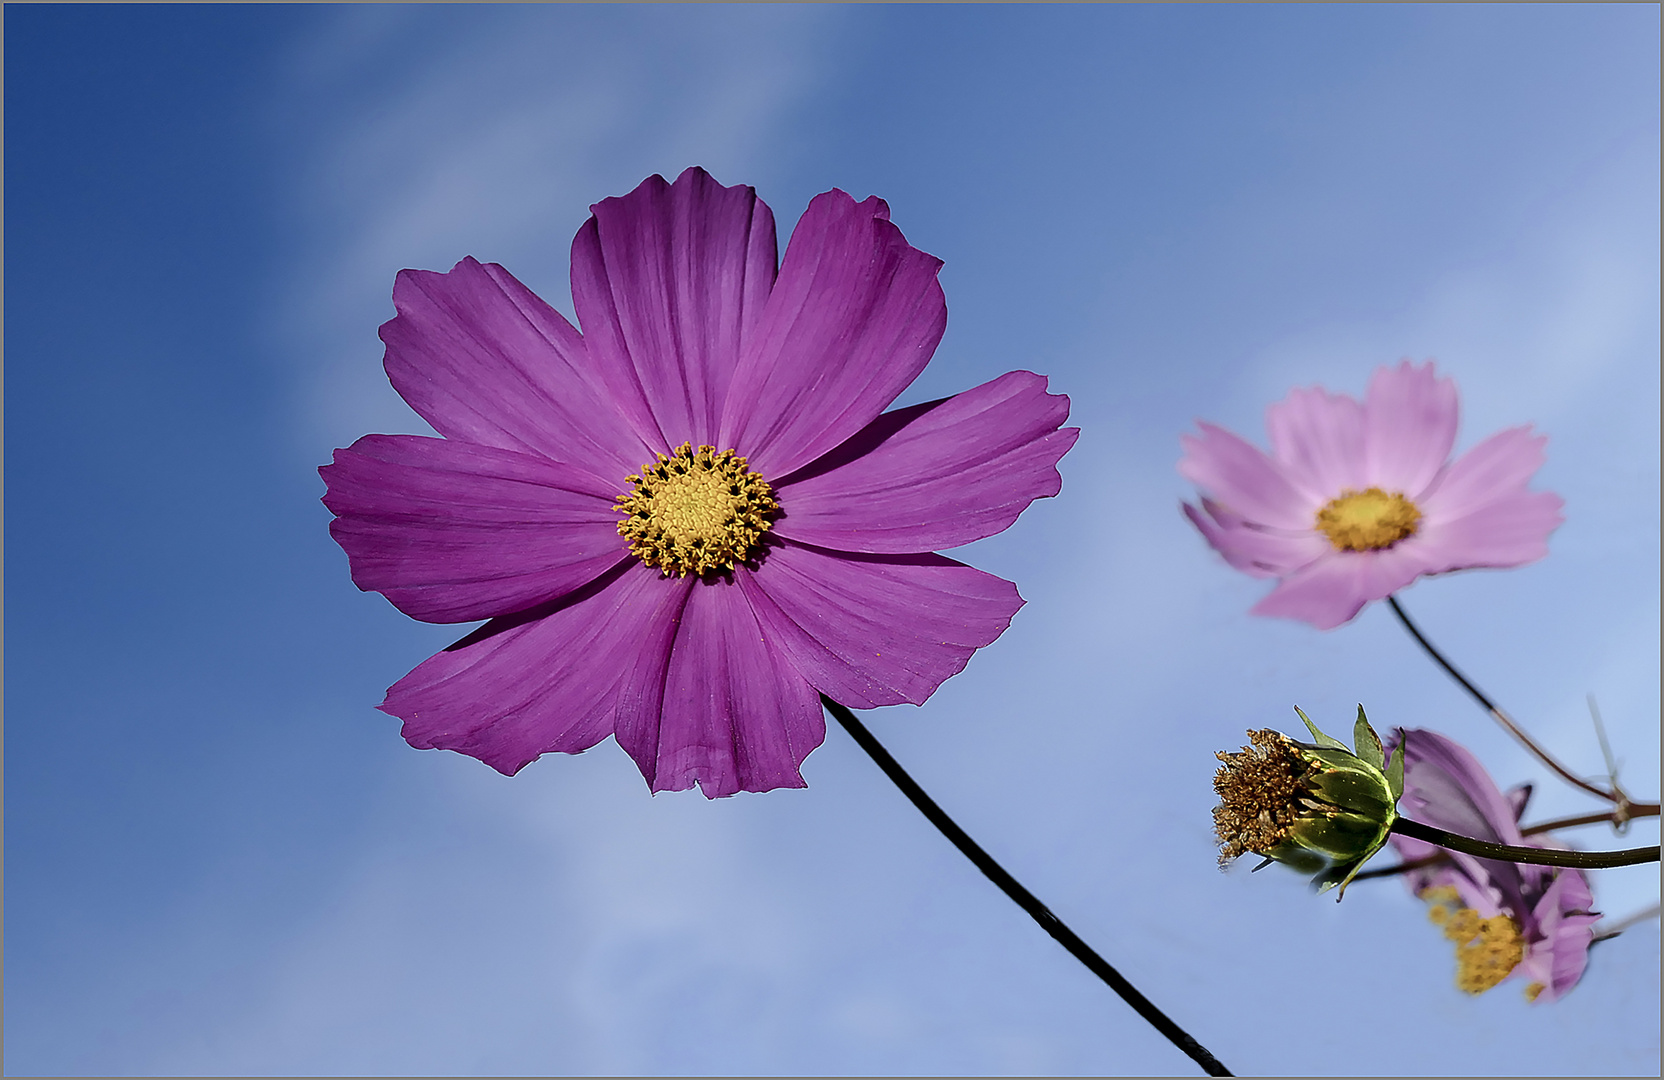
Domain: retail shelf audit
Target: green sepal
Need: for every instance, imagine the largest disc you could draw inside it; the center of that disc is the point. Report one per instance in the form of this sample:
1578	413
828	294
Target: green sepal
1367	744
1338	875
1325	741
1395	773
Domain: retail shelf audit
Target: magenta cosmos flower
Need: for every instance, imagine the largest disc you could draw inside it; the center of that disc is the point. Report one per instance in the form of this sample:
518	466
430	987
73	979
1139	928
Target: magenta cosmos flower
1506	919
690	520
1356	501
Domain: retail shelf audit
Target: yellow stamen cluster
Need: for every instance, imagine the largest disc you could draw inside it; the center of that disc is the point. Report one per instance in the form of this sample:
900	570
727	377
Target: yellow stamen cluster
1487	950
1260	793
696	511
1368	520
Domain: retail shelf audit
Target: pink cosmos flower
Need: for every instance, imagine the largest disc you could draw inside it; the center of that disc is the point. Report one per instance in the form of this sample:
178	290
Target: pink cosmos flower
690	520
1356	501
1506	918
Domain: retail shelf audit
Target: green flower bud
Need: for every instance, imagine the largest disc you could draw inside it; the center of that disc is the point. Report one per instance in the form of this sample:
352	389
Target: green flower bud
1317	807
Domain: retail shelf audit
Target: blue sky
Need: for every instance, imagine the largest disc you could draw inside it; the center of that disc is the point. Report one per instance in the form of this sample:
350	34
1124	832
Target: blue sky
222	859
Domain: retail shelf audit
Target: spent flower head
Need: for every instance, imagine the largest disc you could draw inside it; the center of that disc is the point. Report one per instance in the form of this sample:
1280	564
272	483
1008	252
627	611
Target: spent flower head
1358	499
1316	807
693	518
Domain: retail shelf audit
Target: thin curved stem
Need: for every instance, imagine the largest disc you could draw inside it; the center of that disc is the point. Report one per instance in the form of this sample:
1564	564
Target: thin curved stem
1582	860
1024	899
1501	717
1609	817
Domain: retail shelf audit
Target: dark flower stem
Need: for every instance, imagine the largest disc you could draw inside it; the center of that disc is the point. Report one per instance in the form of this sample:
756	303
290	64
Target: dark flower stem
1614	795
1607	817
1024	899
1582	860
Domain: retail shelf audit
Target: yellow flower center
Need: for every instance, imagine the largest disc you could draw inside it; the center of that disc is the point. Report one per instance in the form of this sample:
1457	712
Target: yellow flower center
1367	520
696	511
1486	949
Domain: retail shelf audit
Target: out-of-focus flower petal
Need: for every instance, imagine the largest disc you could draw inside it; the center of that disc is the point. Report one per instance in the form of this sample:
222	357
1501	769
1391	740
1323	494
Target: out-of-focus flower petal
1497	468
1410	419
1244	479
547	683
873	630
734	717
1565	921
1510	531
1255	551
854	316
483	360
668	282
1334	588
934	476
1318	440
451	531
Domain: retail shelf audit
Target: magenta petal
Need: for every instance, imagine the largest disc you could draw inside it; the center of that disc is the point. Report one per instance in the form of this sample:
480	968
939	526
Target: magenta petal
1245	480
1334	588
1318	440
548	684
1410	419
934	476
1500	466
871	630
854	317
1511	531
1251	549
734	715
483	360
669	282
451	531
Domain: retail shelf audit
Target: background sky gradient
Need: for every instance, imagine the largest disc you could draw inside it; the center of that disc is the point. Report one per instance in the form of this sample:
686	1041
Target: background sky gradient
222	859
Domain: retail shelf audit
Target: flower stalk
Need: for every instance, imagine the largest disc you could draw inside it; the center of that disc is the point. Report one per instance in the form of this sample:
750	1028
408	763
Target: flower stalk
1582	860
1024	899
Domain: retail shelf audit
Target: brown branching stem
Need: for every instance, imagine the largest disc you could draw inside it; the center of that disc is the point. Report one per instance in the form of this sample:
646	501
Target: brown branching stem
1625	808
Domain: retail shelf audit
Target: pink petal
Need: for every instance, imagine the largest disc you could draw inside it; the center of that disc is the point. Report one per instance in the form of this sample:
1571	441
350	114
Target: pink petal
871	630
1245	480
1564	930
1317	439
546	684
1500	466
1511	531
934	476
669	282
483	360
1409	427
852	320
734	715
451	531
1254	550
1333	589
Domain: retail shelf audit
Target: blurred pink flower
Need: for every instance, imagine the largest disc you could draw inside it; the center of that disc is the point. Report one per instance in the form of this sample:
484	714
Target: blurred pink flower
1357	500
1506	918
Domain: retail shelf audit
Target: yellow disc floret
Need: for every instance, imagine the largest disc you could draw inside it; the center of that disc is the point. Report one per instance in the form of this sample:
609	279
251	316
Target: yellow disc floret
1487	950
1367	520
696	511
